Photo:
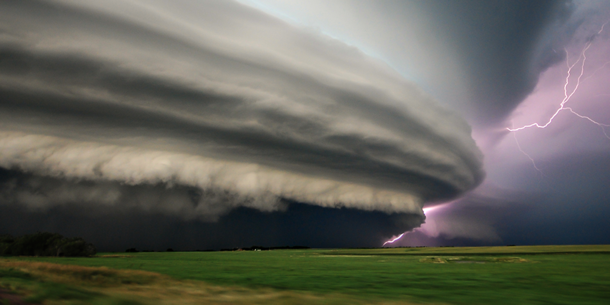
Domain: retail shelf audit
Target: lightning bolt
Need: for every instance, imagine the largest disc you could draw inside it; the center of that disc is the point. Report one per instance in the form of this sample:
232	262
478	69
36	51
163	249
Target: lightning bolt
567	96
526	154
591	120
582	59
426	211
391	241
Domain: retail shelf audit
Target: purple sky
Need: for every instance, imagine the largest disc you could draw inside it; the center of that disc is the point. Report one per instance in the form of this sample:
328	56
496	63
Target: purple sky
531	160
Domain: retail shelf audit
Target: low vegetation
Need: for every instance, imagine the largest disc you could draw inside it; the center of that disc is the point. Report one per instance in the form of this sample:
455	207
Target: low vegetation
498	275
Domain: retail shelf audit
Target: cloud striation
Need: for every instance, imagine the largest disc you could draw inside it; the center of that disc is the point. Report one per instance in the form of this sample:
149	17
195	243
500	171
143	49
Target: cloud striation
197	108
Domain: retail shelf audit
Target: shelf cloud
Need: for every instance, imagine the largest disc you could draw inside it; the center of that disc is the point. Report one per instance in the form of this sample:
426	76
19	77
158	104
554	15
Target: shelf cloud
199	108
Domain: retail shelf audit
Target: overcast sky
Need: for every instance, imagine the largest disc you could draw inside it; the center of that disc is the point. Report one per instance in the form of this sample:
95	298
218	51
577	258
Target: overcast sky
220	124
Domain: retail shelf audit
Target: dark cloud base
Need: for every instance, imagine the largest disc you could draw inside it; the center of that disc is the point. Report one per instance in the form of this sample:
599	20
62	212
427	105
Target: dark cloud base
119	227
300	224
568	206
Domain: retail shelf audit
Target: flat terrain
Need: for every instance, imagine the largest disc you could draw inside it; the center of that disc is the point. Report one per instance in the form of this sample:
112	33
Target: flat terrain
477	275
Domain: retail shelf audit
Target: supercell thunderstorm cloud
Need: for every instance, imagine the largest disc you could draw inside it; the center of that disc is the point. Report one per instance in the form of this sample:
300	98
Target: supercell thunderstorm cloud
229	123
195	109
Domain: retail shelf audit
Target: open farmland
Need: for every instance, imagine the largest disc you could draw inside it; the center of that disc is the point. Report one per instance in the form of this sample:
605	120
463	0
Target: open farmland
480	275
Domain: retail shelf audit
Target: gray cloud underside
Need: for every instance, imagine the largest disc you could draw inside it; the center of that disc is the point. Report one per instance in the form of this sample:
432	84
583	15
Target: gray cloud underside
504	46
40	194
218	96
479	57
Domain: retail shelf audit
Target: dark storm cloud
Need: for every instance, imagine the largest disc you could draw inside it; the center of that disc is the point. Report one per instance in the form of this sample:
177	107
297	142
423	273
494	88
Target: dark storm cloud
568	206
40	194
504	46
156	218
479	57
213	100
498	63
481	217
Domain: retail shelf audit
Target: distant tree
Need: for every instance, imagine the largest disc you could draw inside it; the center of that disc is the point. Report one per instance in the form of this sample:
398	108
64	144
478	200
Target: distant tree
131	250
38	244
75	247
5	242
170	250
45	244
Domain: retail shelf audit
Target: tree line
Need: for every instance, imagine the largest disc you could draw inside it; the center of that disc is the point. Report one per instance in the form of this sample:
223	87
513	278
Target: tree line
45	244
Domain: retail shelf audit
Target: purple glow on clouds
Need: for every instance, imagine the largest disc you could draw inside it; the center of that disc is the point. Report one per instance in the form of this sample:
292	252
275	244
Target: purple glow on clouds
427	227
461	218
429	210
578	128
568	133
516	163
569	88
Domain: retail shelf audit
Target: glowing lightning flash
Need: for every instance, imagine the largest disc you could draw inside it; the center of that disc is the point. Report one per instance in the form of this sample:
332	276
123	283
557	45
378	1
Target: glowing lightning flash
391	241
567	96
590	120
526	154
425	210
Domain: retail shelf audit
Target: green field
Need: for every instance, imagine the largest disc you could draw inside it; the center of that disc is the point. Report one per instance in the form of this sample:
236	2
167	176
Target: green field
480	275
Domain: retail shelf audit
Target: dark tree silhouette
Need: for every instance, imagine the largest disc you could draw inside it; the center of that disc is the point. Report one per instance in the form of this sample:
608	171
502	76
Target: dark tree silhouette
45	244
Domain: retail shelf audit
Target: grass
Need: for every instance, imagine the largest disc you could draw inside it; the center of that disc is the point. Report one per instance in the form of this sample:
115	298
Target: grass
55	284
508	250
499	275
48	283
